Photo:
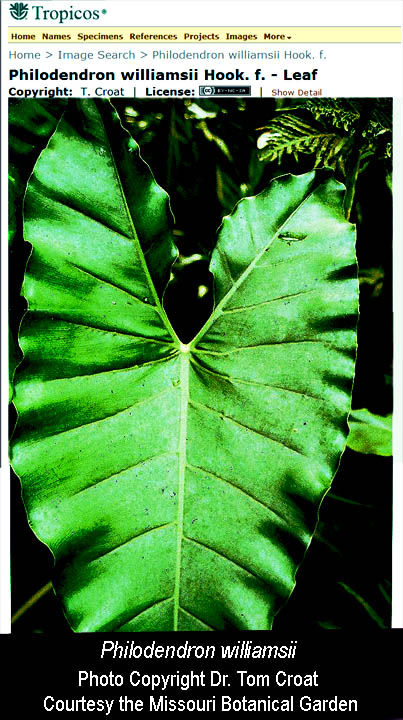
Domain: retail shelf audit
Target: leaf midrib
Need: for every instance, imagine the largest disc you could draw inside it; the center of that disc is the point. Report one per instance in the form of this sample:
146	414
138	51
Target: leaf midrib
184	384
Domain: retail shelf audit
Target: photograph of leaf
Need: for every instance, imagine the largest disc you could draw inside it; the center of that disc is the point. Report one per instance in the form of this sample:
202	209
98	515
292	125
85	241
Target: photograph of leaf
181	397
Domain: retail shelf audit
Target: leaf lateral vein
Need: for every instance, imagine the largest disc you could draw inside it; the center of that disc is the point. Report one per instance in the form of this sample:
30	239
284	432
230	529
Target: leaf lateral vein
245	427
230	560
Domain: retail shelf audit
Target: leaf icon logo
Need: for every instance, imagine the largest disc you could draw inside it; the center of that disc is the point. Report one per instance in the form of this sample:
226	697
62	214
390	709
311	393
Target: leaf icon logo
19	11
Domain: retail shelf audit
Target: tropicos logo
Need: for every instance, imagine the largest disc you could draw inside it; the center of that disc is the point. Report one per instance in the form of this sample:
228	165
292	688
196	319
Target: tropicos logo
19	11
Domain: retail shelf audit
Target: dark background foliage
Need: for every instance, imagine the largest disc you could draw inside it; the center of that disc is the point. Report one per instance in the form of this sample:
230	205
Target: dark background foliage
207	155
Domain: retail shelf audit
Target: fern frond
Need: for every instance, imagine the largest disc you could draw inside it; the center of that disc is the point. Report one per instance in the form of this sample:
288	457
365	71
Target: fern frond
341	113
288	134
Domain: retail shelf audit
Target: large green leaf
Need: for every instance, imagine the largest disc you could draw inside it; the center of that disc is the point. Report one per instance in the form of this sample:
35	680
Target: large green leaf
177	485
30	125
369	433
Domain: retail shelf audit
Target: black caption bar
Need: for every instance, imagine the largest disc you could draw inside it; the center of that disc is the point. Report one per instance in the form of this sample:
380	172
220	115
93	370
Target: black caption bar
328	675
